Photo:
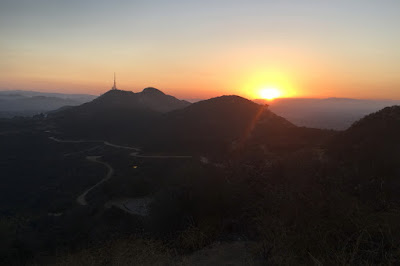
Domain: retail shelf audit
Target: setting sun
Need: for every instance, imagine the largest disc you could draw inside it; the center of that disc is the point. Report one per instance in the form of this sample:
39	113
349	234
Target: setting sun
270	93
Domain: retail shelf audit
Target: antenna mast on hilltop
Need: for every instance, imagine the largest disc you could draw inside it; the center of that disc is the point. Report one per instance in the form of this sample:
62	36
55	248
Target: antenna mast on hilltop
115	83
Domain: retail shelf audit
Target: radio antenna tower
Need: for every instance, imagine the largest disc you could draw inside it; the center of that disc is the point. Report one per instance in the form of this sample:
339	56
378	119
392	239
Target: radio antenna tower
115	83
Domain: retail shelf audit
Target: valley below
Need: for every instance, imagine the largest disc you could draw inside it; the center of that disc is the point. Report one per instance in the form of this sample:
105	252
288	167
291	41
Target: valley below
220	181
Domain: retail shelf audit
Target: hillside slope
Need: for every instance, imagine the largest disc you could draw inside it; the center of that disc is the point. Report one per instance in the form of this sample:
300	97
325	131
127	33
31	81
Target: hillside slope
225	124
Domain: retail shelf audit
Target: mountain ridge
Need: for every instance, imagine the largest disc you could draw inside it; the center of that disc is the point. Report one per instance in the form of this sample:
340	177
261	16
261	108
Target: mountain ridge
156	121
149	98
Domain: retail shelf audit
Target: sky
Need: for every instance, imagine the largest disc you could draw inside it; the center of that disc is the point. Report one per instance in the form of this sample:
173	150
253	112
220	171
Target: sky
203	49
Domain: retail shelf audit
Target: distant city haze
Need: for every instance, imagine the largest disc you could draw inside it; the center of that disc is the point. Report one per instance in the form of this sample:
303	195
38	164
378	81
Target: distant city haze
203	49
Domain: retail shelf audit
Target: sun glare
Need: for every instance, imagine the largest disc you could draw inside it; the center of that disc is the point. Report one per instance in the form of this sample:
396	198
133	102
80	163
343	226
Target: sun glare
270	93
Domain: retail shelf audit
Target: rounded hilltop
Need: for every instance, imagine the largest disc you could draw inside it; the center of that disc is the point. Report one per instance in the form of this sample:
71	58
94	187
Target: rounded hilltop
152	90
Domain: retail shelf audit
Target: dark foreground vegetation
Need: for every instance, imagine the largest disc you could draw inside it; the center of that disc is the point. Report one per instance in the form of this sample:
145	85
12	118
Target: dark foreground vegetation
330	201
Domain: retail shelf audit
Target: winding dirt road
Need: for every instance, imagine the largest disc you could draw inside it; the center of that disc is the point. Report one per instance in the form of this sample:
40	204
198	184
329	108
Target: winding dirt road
134	154
82	198
133	206
95	141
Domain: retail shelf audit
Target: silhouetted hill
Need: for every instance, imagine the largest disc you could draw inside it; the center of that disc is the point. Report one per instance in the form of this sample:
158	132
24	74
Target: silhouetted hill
218	125
368	156
150	99
374	136
116	114
330	113
226	123
157	100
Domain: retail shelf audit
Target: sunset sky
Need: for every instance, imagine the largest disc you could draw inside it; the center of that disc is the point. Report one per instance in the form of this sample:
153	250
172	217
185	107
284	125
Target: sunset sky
202	49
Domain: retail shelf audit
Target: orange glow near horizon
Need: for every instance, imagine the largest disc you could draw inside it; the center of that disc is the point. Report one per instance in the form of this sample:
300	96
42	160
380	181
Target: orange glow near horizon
222	48
247	81
270	84
270	93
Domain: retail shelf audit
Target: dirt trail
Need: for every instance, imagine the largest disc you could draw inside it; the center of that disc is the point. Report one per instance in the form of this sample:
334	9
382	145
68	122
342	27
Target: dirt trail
132	206
96	141
82	198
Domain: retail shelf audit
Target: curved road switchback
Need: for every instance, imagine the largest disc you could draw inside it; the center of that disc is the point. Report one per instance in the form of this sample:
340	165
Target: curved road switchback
135	153
132	206
82	198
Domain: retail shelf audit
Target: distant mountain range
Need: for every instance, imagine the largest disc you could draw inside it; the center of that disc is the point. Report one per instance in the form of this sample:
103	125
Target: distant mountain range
24	93
330	113
28	103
